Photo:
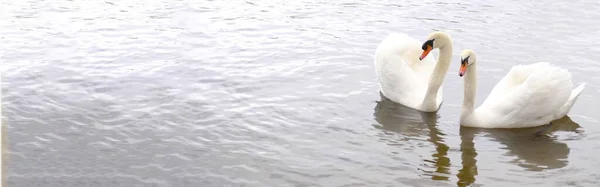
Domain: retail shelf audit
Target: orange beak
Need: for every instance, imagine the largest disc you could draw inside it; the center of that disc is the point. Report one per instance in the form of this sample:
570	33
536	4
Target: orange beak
463	69
425	53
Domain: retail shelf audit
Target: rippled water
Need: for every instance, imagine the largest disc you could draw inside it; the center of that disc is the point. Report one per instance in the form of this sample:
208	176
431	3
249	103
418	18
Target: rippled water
279	93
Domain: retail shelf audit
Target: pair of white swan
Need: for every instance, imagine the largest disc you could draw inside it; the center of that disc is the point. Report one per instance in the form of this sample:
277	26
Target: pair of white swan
528	96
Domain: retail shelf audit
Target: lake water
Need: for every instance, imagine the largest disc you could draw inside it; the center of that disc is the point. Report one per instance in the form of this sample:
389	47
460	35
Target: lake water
279	93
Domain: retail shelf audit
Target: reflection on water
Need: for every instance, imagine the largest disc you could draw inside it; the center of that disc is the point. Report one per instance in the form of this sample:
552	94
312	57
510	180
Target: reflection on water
532	151
466	175
413	124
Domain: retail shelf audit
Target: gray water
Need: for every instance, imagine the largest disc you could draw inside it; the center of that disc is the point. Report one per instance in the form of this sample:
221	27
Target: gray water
279	93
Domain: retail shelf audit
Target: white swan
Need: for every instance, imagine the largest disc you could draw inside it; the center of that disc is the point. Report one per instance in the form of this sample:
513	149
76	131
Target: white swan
407	75
528	96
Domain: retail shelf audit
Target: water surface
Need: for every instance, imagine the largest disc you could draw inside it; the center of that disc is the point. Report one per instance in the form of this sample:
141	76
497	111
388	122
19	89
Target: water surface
279	93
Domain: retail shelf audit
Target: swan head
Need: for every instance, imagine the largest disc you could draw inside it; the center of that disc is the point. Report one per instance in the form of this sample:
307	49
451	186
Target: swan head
467	58
434	40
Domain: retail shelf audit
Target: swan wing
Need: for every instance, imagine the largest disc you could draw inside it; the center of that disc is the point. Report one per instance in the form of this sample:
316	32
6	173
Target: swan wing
410	50
403	77
528	95
513	79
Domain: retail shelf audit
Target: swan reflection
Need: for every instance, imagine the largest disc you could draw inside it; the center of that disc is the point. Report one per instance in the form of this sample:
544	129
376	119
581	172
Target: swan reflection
533	152
524	147
411	124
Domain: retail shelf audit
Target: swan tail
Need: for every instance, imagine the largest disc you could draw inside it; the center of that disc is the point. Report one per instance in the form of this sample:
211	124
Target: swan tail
569	104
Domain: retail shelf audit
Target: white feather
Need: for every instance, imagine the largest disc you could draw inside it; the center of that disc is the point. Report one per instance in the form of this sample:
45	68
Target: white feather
403	78
529	95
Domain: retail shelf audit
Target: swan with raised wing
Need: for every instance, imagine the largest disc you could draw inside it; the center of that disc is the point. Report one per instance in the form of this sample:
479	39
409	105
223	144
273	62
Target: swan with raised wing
407	75
528	96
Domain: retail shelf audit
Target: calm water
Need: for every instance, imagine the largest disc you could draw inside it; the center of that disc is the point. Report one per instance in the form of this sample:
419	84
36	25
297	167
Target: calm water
279	93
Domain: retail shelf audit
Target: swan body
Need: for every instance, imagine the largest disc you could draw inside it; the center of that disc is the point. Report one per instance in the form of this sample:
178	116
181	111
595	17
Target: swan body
528	96
407	75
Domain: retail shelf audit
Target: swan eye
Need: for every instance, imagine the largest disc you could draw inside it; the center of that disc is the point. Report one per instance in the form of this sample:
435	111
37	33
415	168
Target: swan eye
427	43
465	61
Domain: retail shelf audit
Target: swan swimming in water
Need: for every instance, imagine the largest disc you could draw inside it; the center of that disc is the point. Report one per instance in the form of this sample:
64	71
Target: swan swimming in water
528	96
407	75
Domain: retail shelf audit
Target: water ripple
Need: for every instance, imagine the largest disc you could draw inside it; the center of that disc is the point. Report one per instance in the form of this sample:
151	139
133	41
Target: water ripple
275	93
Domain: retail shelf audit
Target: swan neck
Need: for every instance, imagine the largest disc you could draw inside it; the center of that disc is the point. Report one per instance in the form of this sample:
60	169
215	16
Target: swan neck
439	73
470	90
